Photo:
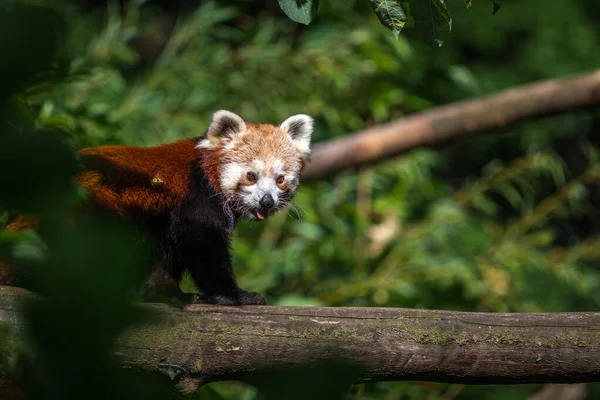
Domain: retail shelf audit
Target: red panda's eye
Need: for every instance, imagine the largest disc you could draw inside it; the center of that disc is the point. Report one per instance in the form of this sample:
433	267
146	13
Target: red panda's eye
280	179
251	176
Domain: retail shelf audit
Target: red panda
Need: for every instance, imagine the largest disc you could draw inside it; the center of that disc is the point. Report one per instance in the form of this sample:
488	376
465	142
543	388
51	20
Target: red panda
190	193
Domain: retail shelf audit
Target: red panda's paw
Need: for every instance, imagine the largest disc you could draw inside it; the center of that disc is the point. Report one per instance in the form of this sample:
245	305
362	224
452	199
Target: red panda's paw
252	298
239	299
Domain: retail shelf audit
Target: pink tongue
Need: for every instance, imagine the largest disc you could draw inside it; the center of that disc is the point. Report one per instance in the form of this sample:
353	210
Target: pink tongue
260	215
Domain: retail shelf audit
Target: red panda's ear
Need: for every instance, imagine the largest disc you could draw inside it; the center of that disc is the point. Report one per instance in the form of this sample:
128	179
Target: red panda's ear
300	128
225	125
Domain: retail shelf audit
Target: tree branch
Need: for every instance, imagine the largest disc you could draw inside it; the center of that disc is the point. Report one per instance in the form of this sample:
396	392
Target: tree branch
463	118
209	343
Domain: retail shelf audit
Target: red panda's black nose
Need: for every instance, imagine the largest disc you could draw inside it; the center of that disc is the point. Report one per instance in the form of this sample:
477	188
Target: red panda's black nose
267	201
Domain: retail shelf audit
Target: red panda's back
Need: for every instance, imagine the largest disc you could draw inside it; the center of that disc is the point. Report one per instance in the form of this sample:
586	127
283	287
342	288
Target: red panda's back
132	181
138	181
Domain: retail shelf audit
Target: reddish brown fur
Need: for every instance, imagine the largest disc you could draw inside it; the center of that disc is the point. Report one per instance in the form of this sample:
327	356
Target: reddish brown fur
210	164
21	223
6	274
267	142
130	179
260	141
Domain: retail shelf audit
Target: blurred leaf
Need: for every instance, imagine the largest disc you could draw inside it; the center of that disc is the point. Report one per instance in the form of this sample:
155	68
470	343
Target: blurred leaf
298	301
302	11
391	13
208	393
324	381
496	6
35	166
97	261
432	20
27	245
41	33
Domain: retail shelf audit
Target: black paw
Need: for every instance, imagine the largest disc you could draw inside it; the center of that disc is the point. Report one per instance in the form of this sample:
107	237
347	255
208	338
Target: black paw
252	298
238	299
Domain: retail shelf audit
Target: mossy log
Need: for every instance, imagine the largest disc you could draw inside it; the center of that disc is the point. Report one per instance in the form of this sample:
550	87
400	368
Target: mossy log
461	119
203	343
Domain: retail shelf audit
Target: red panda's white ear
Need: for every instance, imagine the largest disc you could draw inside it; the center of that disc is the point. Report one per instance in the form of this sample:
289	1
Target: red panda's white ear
300	128
224	125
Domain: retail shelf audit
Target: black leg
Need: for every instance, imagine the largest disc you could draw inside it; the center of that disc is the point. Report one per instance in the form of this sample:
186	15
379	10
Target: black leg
205	253
162	285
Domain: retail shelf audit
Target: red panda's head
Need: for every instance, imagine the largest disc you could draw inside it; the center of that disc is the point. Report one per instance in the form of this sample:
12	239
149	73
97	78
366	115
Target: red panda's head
256	167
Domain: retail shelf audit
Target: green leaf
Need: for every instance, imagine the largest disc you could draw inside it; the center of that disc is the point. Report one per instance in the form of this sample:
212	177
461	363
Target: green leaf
302	11
391	13
496	6
432	20
468	3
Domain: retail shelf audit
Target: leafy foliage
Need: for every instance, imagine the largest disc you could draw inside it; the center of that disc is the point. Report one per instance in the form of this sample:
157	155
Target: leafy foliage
496	223
432	20
391	13
303	11
430	17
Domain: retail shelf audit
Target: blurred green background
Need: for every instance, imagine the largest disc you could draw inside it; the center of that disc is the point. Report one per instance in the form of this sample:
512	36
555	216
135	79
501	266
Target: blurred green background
503	222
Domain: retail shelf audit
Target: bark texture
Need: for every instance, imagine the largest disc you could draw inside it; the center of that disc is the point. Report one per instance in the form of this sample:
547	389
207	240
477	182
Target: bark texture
203	343
455	120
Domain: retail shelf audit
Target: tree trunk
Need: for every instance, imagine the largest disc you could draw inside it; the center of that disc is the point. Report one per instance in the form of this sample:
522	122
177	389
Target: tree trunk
203	343
455	120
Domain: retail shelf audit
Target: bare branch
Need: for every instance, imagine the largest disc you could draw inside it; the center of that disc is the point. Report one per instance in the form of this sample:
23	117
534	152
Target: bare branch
460	119
209	343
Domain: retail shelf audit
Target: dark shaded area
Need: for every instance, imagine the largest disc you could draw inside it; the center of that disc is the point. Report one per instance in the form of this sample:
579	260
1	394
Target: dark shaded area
91	269
325	381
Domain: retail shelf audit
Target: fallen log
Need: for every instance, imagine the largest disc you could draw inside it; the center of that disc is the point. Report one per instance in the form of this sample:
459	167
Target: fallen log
203	343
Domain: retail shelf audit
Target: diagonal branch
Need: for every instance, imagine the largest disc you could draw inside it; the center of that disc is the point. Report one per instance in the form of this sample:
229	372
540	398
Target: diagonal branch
455	120
209	343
